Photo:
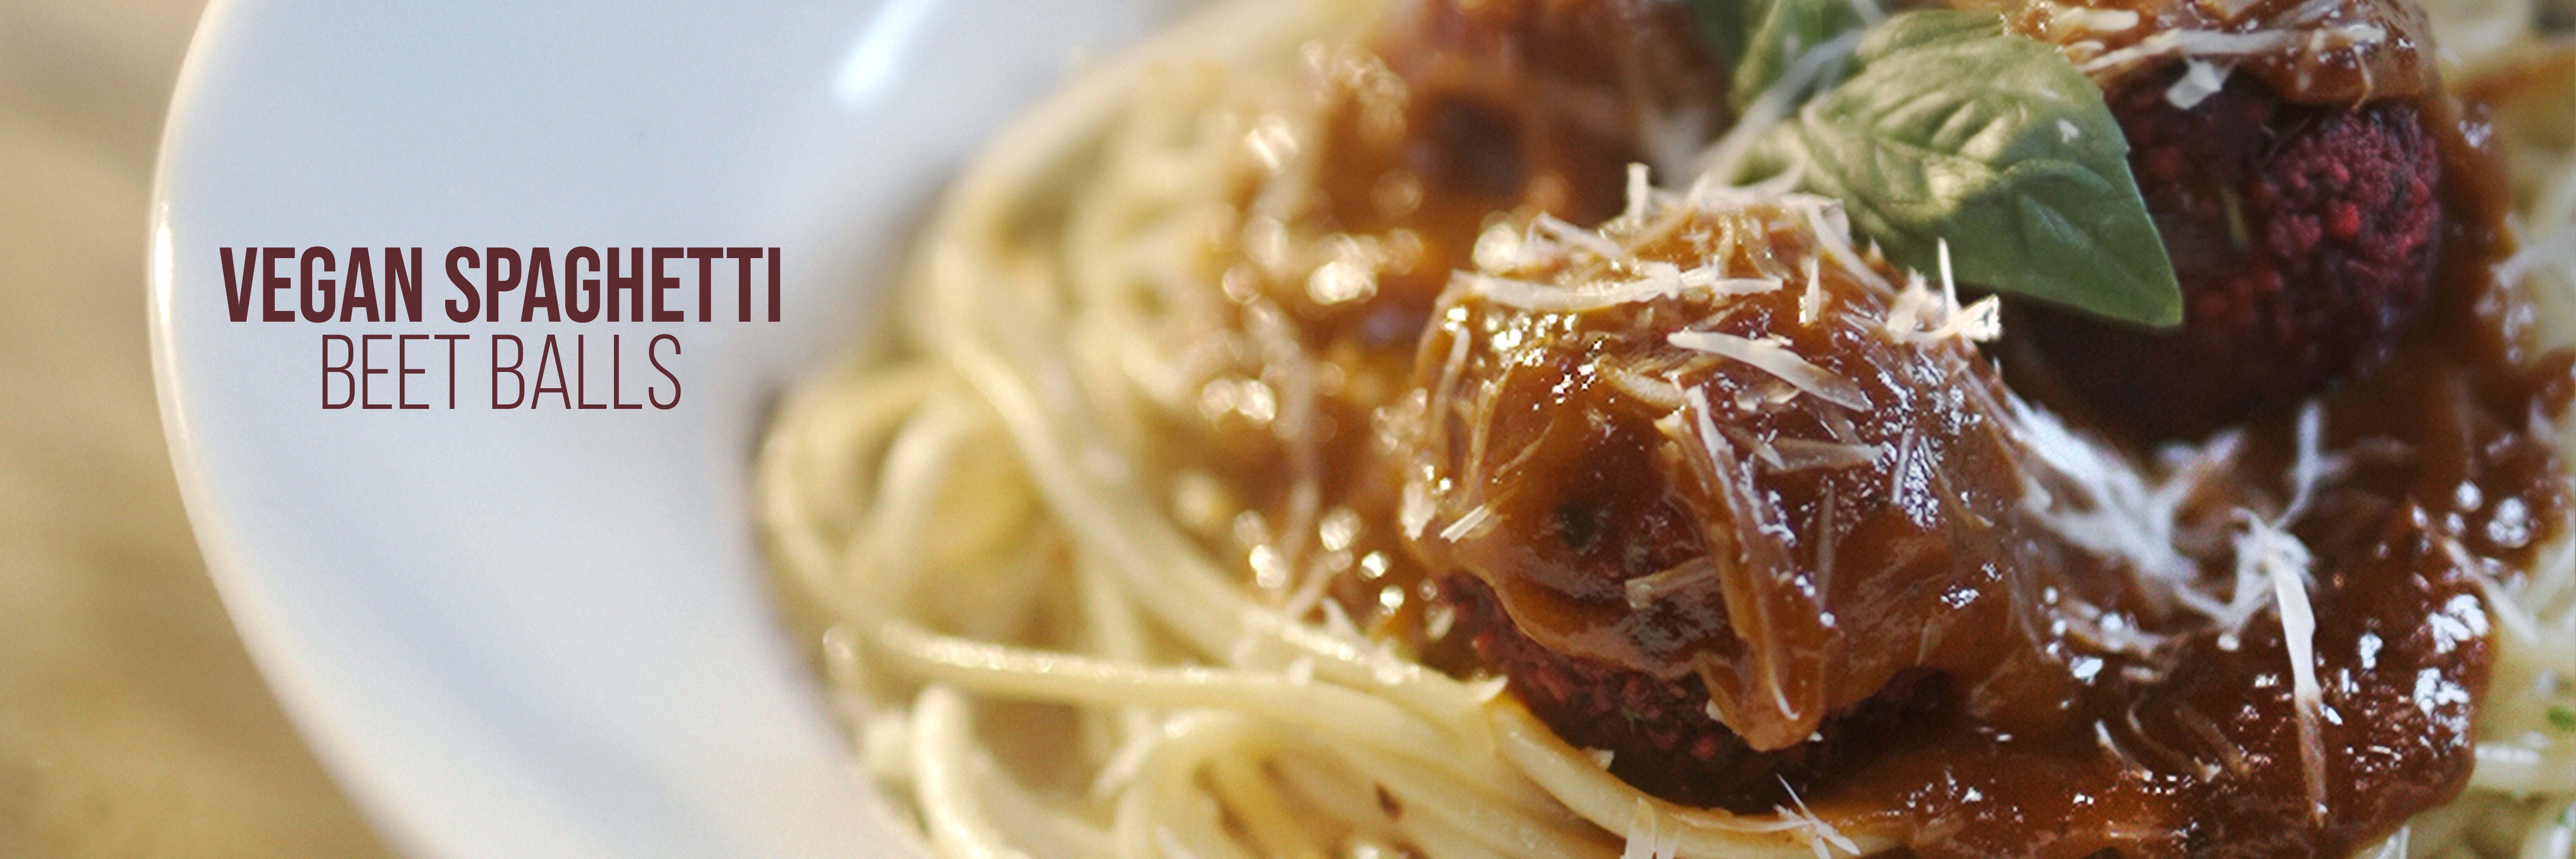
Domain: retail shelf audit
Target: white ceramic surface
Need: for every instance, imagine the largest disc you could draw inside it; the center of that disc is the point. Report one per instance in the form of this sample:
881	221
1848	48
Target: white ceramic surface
548	633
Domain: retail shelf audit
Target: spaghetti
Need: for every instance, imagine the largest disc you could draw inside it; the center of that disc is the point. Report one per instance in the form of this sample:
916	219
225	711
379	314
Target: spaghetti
1061	626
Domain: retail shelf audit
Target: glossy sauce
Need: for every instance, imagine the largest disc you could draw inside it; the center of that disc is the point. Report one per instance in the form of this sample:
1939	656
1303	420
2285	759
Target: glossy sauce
2055	742
2049	743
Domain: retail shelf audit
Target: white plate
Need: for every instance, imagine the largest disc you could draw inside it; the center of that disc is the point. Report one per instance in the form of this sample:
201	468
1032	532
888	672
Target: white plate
549	634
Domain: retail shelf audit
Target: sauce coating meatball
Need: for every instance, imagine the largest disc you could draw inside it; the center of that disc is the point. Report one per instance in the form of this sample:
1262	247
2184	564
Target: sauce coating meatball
1729	500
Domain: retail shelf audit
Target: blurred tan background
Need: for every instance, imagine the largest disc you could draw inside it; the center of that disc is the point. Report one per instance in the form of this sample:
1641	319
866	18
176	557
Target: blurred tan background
131	722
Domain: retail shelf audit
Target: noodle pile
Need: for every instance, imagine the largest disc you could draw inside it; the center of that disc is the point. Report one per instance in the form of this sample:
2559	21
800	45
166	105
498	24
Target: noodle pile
1040	660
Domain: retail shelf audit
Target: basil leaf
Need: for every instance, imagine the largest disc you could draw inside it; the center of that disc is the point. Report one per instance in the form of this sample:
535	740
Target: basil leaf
1951	129
1756	40
1928	30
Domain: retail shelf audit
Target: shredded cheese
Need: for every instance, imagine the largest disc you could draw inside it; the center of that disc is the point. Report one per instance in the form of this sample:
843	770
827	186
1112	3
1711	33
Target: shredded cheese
2266	551
1799	454
2200	79
1811	304
1639	193
1771	356
1820	836
1475	523
1661	281
1578	237
2190	43
1645	590
1917	316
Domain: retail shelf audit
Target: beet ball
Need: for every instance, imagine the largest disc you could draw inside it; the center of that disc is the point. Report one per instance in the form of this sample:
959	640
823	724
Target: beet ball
2305	238
1658	732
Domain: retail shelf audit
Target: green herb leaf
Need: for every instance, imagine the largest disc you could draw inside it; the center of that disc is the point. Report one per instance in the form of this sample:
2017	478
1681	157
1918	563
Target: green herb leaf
1952	129
1756	40
2562	718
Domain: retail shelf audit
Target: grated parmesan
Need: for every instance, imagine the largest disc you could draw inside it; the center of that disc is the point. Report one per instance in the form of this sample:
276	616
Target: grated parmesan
1811	305
2191	43
1914	317
1799	454
1599	246
1661	281
1820	836
2265	550
1771	356
1639	193
1477	521
1645	590
2200	80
